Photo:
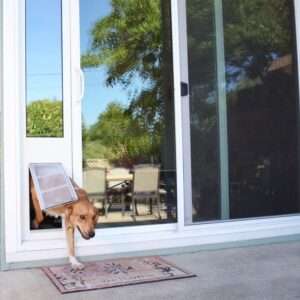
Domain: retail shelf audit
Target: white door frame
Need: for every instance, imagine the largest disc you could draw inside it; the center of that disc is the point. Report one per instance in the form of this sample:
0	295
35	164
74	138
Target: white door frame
36	149
77	92
26	246
185	115
222	113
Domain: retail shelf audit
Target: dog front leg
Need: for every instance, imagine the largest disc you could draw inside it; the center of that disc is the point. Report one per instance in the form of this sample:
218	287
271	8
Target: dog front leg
75	264
39	217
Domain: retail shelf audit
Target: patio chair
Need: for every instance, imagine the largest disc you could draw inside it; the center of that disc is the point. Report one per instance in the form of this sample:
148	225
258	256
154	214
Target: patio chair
94	183
145	186
116	189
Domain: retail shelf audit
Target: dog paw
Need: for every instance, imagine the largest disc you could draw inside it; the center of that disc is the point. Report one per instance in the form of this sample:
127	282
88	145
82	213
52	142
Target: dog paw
34	224
75	264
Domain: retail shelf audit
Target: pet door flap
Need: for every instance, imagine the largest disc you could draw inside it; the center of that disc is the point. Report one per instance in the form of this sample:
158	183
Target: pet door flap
53	186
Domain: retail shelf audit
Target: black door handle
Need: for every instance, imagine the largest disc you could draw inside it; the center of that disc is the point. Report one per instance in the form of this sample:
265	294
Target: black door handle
184	88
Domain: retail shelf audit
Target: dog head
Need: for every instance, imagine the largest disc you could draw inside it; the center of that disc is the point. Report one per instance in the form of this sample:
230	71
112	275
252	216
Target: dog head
83	215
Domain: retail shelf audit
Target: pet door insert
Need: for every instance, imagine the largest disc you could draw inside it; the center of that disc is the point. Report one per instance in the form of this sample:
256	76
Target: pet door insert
53	186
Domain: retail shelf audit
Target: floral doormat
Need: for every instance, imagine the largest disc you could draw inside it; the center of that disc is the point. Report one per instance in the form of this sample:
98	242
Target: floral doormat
115	272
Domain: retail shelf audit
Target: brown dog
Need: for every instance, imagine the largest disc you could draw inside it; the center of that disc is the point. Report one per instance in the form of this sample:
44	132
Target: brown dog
81	214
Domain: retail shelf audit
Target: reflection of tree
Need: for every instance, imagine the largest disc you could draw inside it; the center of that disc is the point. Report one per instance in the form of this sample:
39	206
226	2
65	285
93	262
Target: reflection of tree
261	104
125	137
128	42
44	118
133	43
256	33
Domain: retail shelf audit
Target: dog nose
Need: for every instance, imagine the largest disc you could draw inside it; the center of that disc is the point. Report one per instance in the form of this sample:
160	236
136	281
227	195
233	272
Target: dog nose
92	234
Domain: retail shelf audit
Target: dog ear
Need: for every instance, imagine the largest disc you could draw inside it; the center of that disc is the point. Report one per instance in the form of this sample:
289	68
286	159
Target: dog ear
96	210
68	211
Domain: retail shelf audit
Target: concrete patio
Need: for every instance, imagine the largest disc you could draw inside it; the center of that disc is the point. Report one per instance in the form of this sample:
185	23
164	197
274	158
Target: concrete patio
261	272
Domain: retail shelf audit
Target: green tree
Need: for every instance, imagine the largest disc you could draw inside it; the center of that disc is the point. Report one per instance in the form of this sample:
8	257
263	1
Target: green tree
44	118
125	138
128	42
255	33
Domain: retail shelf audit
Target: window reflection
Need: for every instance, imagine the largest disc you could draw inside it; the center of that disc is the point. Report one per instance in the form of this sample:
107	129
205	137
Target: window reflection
44	113
203	110
128	107
262	108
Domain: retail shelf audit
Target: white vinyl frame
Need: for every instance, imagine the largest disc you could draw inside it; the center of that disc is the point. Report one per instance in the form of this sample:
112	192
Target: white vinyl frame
21	245
35	149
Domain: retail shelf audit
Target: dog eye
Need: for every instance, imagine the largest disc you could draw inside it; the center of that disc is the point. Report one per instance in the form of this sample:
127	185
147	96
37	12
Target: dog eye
82	217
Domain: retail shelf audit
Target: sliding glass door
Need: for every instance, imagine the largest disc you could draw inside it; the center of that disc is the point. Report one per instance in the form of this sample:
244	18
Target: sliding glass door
243	109
99	94
90	84
240	115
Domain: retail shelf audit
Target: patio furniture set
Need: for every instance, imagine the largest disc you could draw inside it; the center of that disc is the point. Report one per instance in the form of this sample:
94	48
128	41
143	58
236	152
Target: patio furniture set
107	187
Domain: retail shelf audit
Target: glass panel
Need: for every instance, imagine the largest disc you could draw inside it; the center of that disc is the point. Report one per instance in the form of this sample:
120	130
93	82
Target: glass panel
202	70
257	39
44	88
44	113
128	107
262	106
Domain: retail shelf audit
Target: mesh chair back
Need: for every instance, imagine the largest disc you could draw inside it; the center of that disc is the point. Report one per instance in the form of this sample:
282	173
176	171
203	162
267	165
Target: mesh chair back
94	181
146	179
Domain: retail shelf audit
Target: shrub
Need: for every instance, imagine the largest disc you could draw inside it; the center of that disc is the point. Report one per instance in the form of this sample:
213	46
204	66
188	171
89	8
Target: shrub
44	118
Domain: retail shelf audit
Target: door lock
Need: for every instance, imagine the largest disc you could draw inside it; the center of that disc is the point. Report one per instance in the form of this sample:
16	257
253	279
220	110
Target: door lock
184	88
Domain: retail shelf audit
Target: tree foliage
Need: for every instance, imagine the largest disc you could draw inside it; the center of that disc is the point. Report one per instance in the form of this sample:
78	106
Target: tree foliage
126	139
44	119
255	33
128	42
